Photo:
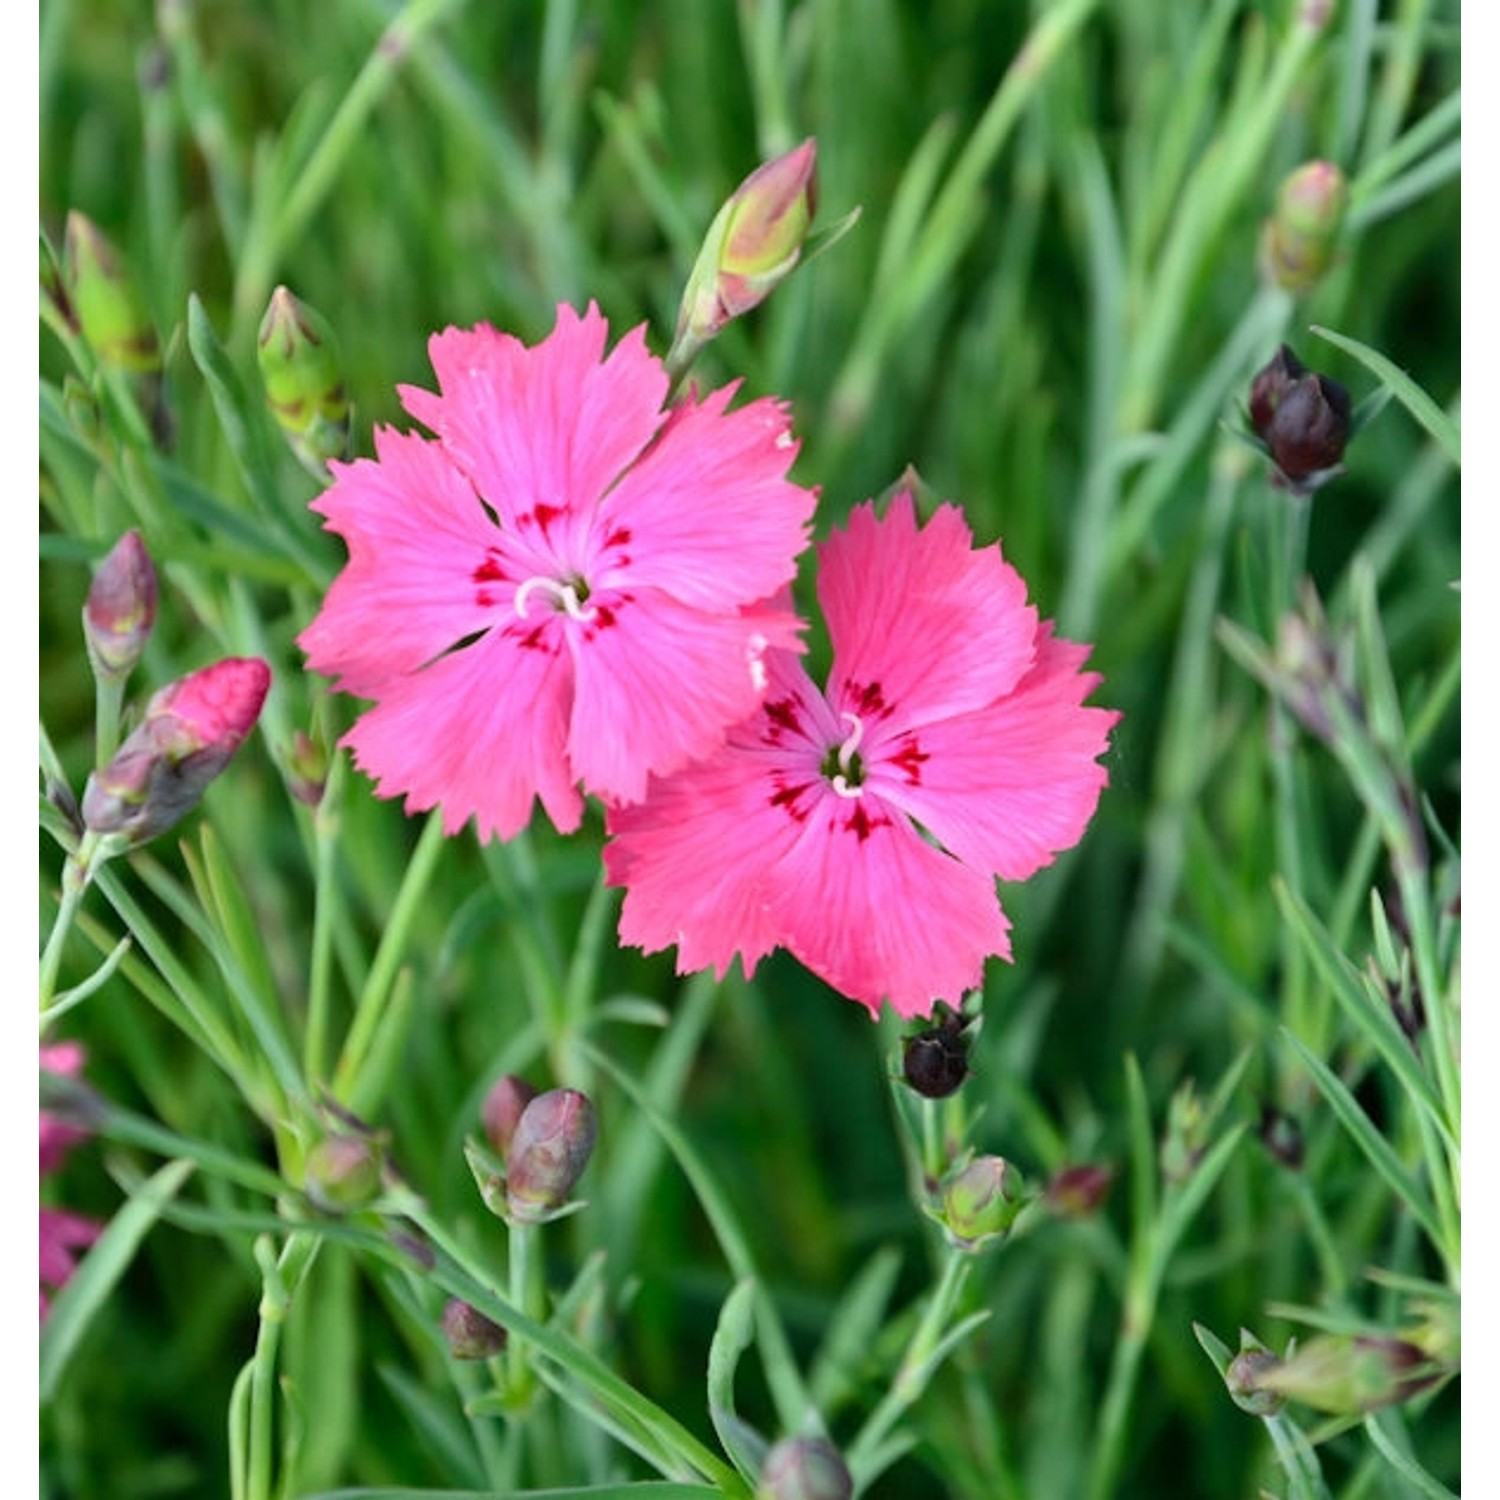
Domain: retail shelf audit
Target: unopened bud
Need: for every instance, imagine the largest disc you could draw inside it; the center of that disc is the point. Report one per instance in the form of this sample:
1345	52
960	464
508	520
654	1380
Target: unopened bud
190	732
753	243
305	389
1186	1135
469	1333
1078	1192
935	1061
343	1172
121	608
1303	421
1243	1380
502	1110
549	1149
804	1468
980	1202
1350	1375
106	302
307	769
1297	241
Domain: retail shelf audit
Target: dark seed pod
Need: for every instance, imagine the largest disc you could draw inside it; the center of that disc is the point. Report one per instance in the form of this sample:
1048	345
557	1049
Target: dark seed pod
935	1062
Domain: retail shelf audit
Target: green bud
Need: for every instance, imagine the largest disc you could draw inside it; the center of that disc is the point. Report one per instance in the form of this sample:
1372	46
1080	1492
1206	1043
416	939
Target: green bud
981	1200
804	1468
120	609
107	304
469	1333
1348	1375
1244	1375
307	769
752	245
1297	241
305	390
551	1146
343	1172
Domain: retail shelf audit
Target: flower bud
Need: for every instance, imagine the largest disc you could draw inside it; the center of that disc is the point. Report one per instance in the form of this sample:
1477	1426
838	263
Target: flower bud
343	1172
804	1468
1186	1135
190	732
1243	1379
470	1334
935	1061
307	769
1303	421
105	300
1297	241
980	1202
549	1149
1349	1375
753	243
120	609
1078	1192
305	390
502	1109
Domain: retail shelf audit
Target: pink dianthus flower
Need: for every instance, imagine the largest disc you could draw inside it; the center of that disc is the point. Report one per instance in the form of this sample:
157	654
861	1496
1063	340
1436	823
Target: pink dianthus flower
569	585
62	1234
863	827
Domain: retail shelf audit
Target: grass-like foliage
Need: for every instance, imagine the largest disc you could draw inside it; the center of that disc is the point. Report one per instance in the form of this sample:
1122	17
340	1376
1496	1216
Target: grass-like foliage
381	1166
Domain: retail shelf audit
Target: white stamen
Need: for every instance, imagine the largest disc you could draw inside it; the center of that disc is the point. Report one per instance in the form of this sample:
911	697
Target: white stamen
840	783
563	595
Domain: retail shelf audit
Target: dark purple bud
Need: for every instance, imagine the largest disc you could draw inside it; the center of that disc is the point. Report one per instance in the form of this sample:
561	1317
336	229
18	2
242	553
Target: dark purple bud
470	1334
935	1061
1303	420
551	1146
502	1110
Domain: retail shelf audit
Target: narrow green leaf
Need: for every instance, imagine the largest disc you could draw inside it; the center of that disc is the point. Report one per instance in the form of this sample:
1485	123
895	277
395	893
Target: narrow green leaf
1214	1347
1440	426
1378	1151
1375	1024
1378	1425
440	1425
645	1490
732	1336
851	1330
100	1270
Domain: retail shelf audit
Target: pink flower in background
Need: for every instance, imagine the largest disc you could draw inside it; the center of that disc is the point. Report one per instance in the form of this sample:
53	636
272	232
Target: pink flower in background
569	585
863	827
62	1233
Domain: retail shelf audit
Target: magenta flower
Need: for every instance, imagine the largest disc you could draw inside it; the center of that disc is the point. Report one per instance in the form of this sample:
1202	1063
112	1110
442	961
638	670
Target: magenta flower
863	828
62	1234
569	585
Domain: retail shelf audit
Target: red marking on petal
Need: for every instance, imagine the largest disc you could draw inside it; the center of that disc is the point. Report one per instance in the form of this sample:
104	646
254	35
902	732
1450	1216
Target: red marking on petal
618	537
491	570
786	797
783	716
862	824
868	700
909	761
547	514
484	598
535	639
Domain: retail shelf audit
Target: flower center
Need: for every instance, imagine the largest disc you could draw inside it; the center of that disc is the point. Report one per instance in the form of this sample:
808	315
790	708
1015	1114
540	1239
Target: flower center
566	595
843	765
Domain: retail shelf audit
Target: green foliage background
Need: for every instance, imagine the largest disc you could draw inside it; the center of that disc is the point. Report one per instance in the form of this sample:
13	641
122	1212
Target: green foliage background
1050	307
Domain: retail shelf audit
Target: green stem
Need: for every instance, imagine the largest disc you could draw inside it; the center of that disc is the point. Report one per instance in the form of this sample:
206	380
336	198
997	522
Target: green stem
527	1292
74	882
911	1377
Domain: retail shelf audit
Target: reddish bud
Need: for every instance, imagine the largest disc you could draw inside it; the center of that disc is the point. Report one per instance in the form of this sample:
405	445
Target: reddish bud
804	1468
121	608
1078	1192
1303	421
549	1149
502	1110
469	1333
190	732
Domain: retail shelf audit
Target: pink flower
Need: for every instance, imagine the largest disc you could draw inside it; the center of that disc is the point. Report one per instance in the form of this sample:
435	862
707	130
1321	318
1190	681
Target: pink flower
569	585
62	1234
862	828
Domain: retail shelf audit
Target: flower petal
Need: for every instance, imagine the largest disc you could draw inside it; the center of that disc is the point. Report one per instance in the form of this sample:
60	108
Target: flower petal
481	731
662	684
711	515
871	907
1007	788
550	426
415	532
923	626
